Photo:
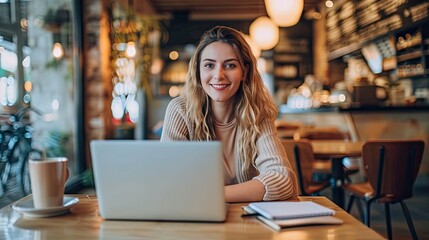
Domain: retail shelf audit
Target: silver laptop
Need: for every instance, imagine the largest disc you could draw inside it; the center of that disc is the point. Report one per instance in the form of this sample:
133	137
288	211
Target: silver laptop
152	180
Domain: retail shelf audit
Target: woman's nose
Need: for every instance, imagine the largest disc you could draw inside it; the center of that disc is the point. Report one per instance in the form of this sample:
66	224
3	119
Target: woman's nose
219	73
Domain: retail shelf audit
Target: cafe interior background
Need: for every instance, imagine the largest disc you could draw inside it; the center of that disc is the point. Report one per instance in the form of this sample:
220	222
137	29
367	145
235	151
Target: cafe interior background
101	69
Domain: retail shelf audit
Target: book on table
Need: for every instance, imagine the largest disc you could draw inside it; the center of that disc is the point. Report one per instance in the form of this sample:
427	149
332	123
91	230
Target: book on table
280	215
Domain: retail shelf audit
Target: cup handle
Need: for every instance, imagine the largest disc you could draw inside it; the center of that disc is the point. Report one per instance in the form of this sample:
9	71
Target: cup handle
67	175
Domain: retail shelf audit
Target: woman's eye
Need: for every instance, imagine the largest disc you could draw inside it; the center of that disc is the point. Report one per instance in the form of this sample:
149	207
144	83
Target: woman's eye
230	65
208	65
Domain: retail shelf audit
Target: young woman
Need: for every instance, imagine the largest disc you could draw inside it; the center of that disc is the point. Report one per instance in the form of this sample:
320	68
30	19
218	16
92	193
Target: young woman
224	99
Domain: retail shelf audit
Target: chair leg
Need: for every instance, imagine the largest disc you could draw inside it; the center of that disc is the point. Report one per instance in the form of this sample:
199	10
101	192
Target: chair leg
367	213
409	220
360	210
388	220
350	204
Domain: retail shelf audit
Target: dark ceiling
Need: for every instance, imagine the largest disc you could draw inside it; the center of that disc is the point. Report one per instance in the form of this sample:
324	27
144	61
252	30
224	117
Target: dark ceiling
188	19
218	9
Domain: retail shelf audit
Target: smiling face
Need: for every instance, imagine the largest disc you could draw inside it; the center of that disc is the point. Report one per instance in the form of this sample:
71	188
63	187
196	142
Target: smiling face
220	72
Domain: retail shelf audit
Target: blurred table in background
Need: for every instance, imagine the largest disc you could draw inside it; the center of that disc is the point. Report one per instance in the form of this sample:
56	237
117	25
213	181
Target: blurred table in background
336	150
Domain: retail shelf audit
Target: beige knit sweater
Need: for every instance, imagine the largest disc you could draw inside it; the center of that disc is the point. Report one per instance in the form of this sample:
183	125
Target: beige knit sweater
269	168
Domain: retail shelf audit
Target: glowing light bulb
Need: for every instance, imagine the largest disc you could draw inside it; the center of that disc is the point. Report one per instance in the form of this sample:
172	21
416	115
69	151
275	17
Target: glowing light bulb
58	51
264	32
329	4
284	13
174	55
28	86
131	50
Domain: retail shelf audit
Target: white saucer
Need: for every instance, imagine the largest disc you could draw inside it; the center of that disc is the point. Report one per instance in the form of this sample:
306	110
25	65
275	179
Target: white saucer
27	208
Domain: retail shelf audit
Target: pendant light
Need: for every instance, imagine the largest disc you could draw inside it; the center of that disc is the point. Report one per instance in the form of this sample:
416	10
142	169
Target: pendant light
284	13
264	32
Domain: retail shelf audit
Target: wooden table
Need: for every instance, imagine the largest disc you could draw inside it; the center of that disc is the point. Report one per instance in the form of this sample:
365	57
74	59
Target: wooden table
336	150
84	223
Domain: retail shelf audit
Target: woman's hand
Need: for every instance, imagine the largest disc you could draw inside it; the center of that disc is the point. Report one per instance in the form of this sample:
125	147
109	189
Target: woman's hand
250	191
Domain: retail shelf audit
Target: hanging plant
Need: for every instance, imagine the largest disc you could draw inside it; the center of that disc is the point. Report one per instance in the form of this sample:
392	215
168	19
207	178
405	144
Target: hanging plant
132	55
128	26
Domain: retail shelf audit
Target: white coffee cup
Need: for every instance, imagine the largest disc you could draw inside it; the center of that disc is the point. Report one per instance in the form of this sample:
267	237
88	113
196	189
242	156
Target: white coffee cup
48	177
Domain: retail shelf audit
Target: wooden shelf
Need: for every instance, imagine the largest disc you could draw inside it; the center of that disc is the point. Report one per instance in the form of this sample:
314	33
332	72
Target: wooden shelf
362	25
411	75
413	44
409	56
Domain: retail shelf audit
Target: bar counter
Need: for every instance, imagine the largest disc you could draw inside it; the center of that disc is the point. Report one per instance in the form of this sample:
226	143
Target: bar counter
384	108
284	109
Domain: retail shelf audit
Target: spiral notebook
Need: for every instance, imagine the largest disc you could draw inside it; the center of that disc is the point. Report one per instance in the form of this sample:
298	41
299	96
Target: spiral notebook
290	210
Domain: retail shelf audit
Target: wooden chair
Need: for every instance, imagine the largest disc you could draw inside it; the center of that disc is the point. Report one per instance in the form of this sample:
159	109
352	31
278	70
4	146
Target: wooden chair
391	168
301	157
322	167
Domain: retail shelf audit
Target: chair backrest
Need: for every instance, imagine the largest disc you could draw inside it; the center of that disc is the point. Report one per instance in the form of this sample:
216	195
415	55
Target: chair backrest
301	158
392	166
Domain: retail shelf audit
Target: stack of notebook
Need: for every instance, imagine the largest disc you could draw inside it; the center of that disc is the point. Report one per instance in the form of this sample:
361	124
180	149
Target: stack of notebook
280	215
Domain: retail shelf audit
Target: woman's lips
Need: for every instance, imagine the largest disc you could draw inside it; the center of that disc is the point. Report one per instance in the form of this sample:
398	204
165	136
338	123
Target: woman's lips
219	86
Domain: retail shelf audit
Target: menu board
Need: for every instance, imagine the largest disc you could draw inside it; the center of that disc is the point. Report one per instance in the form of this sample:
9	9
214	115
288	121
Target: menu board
357	21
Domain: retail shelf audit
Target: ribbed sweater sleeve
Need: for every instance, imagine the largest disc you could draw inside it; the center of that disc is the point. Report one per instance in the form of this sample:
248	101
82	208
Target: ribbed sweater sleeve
275	171
176	126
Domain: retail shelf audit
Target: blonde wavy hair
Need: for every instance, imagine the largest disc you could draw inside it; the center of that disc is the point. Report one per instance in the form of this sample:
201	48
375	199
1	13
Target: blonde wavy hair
253	103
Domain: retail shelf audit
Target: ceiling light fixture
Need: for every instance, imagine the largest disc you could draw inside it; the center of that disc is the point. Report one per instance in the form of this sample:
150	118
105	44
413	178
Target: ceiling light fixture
264	32
284	13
